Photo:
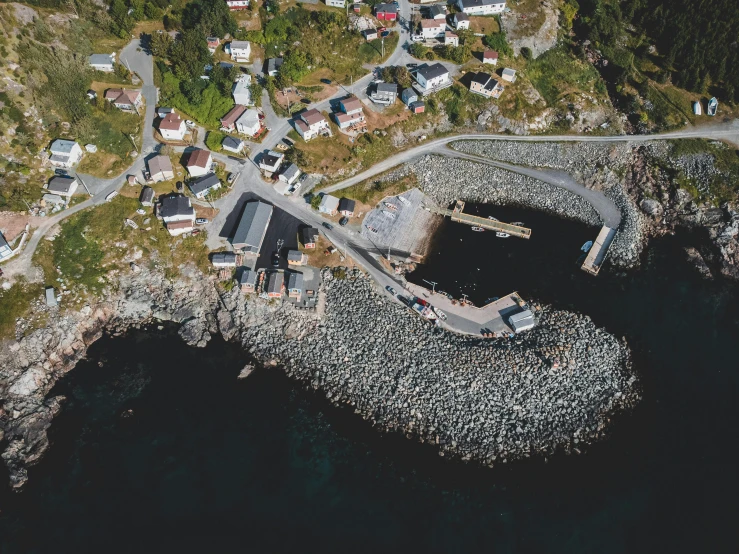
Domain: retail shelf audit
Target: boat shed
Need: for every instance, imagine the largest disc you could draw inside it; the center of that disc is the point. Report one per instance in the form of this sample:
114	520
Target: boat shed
522	321
252	227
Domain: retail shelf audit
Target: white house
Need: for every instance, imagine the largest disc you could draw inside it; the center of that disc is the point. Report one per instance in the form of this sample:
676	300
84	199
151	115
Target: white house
432	28
490	57
273	66
177	213
160	169
480	7
248	123
237	4
5	250
201	186
461	21
102	62
242	91
310	124
336	3
240	50
232	144
509	75
290	174
62	185
431	78
271	161
199	162
213	44
172	127
329	205
451	39
64	153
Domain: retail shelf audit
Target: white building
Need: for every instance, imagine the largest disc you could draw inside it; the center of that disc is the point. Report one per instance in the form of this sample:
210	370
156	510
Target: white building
62	185
522	321
177	213
509	75
432	28
336	3
271	161
329	205
102	62
432	78
232	144
451	39
160	169
172	127
239	50
461	21
480	7
202	186
237	4
5	250
310	124
199	162
242	91
64	153
248	123
290	174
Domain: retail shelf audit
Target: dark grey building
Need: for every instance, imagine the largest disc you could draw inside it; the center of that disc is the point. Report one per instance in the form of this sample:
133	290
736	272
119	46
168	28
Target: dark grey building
252	227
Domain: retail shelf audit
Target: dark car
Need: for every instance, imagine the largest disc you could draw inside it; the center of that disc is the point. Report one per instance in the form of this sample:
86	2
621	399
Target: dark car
411	65
327	225
305	101
179	185
60	171
275	259
326	81
343	221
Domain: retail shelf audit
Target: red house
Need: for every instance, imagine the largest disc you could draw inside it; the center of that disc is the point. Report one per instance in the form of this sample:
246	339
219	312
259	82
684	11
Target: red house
417	107
386	12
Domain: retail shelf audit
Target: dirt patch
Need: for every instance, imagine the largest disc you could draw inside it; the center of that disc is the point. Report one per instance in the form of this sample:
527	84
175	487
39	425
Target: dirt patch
284	100
317	257
205	211
532	24
100	164
382	120
12	224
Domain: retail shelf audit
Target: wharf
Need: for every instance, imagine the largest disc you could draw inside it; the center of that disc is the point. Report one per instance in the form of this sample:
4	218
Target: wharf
597	254
459	216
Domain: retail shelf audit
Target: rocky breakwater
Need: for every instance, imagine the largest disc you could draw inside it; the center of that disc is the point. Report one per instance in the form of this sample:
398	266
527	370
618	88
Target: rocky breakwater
552	388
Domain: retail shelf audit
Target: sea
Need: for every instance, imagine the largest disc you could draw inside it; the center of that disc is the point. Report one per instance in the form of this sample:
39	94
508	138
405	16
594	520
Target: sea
160	448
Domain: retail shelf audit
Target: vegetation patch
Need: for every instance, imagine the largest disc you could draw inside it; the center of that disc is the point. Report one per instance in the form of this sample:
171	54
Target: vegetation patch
16	302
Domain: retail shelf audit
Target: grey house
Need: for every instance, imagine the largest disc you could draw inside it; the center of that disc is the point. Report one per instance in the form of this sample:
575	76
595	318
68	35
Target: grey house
408	96
147	196
252	227
385	93
203	185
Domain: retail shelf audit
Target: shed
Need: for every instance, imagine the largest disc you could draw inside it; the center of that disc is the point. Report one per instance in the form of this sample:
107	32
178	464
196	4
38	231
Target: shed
147	196
418	107
346	206
275	284
223	259
51	297
522	321
329	204
248	280
252	227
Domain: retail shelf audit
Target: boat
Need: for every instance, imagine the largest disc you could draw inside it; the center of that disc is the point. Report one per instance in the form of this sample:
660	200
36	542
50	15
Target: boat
502	235
404	201
518	223
391	215
390	206
587	246
697	108
492	299
492	218
440	314
712	106
478	229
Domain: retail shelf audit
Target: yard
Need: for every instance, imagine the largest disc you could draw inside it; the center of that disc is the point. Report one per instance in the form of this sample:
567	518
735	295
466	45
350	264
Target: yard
16	302
484	25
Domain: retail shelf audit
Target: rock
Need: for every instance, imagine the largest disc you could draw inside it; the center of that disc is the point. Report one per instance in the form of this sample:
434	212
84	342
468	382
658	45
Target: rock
651	207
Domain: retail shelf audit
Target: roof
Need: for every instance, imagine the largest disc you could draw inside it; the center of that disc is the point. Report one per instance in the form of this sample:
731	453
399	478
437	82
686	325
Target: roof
437	10
175	204
461	16
232	142
418	104
310	234
302	125
347	204
295	280
122	96
101	59
62	146
409	93
330	202
481	78
160	163
275	282
479	3
198	158
240	44
248	277
273	64
294	256
147	194
521	317
165	110
3	242
253	224
249	118
345	118
206	182
291	171
242	86
171	122
386	8
224	258
61	184
368	32
449	34
351	103
51	199
312	116
432	71
213	40
489	55
271	159
509	71
387	87
184	224
233	114
432	23
50	297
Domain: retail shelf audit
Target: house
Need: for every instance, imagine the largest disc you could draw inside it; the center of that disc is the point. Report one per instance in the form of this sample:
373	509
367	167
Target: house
345	121
346	207
490	57
336	3
275	284
273	66
271	161
418	107
213	44
356	8
296	257
237	4
241	91
451	39
522	321
102	62
294	284
408	96
51	299
199	162
160	169
233	144
248	280
162	112
484	85
369	34
202	186
248	123
124	99
290	174
147	196
223	259
461	21
432	28
309	236
386	12
350	105
329	205
5	250
310	124
228	121
509	75
64	153
172	127
252	227
481	7
437	12
384	93
239	50
62	185
177	213
431	78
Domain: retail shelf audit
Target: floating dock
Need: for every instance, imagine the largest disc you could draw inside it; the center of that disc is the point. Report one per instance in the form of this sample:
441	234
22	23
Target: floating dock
597	253
476	221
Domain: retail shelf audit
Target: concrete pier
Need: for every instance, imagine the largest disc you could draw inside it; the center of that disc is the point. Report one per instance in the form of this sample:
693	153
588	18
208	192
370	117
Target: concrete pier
597	254
459	216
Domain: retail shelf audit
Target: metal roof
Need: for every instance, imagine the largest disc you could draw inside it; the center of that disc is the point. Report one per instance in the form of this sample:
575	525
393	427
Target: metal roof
147	194
248	277
206	182
101	59
275	282
291	171
387	87
224	258
347	204
295	281
62	146
61	184
432	71
252	226
159	164
232	142
175	205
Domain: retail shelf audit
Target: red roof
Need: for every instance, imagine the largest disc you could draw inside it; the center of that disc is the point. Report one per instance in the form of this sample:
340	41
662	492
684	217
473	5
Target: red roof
489	55
171	122
198	158
179	224
230	118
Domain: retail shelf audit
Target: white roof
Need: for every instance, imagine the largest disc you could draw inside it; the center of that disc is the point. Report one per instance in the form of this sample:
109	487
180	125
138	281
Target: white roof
240	44
329	202
250	118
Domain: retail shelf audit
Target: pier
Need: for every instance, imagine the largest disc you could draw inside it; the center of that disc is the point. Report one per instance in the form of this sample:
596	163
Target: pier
598	251
460	217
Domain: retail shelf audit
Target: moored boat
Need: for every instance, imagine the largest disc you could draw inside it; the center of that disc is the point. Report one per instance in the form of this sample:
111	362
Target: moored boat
502	235
478	229
712	106
697	110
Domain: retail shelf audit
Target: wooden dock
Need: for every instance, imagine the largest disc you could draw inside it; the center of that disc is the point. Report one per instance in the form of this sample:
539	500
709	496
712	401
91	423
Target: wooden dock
597	254
460	217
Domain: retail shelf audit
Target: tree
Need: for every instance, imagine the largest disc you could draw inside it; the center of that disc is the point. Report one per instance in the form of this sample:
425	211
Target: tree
418	50
276	30
189	54
212	18
214	140
152	11
498	42
294	66
160	44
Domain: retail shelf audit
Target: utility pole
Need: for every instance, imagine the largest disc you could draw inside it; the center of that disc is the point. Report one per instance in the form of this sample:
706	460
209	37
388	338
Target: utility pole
433	285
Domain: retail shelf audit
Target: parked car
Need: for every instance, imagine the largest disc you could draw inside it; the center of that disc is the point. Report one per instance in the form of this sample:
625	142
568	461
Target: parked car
189	123
231	178
196	231
326	81
275	259
179	186
411	65
343	221
391	290
60	171
111	196
327	225
201	221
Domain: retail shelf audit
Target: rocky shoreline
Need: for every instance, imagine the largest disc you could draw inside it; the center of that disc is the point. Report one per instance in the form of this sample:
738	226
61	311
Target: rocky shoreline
553	388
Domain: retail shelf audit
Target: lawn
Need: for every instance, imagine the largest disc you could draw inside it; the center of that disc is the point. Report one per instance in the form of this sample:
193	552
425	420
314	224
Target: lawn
557	73
15	302
484	25
324	155
371	191
110	130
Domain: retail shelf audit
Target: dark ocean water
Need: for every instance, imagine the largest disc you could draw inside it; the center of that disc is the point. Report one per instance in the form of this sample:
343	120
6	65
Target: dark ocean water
208	463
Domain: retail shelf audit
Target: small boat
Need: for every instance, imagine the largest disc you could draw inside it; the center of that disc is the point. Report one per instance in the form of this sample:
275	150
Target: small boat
502	235
697	110
404	200
390	206
440	314
493	299
712	106
492	218
478	229
587	246
391	215
518	223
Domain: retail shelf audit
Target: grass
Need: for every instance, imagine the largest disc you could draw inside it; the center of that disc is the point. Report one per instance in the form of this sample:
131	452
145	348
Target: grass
557	73
484	25
373	190
16	302
324	155
110	130
722	188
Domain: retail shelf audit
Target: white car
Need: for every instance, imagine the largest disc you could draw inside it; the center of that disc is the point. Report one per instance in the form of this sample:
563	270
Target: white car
189	123
111	196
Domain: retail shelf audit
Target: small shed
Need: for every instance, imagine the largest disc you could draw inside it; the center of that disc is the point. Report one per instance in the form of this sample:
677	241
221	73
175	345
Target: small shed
509	75
224	259
522	321
296	257
346	207
51	297
147	196
408	96
418	107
